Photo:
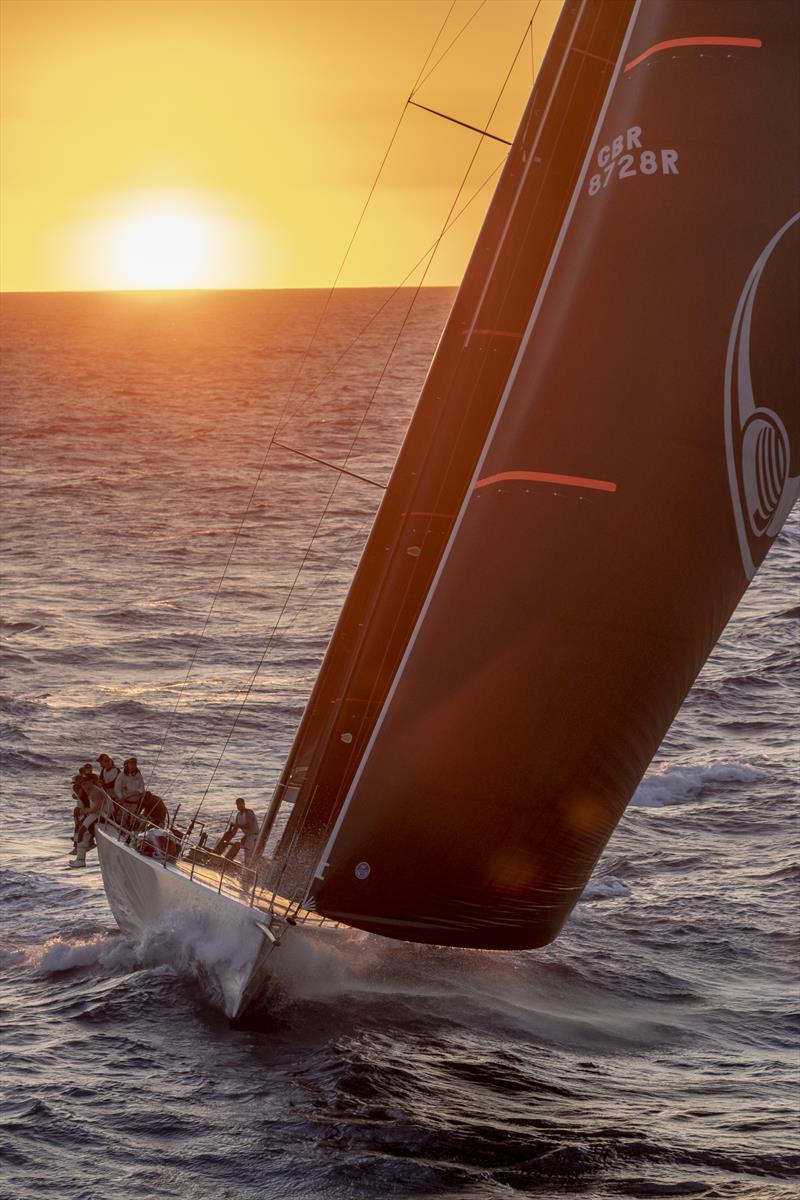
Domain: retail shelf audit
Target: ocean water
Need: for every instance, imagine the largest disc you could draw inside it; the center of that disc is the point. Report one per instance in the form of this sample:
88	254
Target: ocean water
651	1051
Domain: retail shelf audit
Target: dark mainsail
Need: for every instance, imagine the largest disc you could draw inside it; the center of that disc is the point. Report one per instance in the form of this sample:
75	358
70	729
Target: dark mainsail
448	430
637	455
641	461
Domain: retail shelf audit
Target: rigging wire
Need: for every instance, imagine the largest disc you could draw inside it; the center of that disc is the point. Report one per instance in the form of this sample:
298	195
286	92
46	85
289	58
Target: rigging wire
330	371
268	645
335	561
444	55
289	399
375	390
360	533
449	220
362	214
463	124
462	185
322	462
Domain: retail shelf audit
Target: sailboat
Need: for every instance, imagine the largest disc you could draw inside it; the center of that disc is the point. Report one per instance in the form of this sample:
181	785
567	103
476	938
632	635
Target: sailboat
605	448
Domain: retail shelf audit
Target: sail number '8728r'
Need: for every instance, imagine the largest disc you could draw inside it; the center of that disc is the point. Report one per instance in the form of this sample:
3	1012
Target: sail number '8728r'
641	162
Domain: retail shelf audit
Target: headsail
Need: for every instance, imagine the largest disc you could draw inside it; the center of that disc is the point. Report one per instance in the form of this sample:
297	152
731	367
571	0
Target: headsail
449	428
632	474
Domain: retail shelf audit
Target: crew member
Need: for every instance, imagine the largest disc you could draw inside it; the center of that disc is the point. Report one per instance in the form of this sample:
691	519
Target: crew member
80	783
246	821
128	791
129	784
97	800
108	773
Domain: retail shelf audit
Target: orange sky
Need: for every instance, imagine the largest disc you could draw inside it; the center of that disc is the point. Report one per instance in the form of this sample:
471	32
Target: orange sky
232	143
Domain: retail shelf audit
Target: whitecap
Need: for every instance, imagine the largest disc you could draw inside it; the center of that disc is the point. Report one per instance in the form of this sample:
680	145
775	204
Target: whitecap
605	887
677	785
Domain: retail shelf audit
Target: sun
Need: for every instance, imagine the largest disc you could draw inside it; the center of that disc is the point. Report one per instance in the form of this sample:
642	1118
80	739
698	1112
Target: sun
165	250
163	239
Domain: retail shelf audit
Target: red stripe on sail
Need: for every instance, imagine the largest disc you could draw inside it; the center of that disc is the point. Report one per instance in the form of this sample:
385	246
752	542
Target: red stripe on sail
753	43
598	485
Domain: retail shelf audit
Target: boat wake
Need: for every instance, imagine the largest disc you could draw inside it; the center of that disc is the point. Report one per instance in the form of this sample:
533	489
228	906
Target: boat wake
356	975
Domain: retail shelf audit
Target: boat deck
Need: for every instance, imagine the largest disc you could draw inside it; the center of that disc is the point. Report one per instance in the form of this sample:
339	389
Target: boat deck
216	873
228	881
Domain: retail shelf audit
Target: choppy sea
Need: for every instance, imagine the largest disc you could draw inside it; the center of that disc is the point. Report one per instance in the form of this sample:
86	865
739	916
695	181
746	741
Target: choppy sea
651	1051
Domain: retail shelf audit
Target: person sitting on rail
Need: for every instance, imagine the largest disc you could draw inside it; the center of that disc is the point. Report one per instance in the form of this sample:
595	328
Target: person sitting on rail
129	784
108	773
129	788
84	777
96	803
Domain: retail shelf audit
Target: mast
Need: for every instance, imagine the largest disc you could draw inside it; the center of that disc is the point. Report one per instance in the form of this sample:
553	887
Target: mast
447	433
640	461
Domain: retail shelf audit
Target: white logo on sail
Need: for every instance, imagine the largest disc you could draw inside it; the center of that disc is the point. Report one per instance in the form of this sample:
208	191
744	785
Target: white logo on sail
762	489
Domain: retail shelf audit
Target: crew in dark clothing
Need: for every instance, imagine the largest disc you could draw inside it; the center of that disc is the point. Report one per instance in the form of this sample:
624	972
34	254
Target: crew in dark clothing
84	777
80	785
152	810
97	801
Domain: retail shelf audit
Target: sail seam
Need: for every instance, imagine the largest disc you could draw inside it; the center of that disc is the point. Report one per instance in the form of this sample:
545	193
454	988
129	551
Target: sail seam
588	54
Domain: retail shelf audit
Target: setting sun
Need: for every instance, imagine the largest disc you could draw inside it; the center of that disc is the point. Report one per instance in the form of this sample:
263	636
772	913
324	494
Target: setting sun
232	143
166	239
164	250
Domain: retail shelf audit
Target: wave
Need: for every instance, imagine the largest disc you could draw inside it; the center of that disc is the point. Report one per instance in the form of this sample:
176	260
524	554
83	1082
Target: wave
20	761
678	785
124	616
123	708
316	973
32	888
605	887
21	706
9	629
17	658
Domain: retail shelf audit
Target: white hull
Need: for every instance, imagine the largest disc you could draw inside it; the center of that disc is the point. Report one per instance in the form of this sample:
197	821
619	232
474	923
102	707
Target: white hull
230	939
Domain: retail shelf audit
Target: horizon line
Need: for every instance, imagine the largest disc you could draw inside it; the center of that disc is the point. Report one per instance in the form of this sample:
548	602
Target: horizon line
205	290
